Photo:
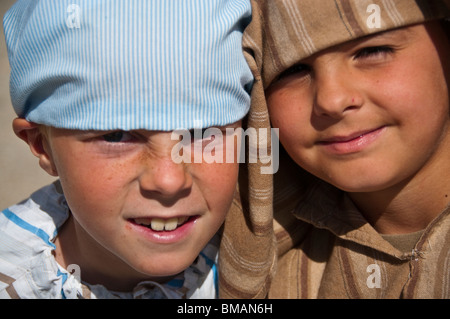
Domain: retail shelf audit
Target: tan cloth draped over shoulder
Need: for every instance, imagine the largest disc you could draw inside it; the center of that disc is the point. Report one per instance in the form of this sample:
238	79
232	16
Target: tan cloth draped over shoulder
281	33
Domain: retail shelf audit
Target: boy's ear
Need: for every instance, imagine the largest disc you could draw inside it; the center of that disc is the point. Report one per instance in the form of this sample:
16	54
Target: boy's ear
32	134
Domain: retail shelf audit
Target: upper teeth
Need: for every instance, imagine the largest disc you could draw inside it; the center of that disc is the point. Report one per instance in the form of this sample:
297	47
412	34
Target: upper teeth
160	224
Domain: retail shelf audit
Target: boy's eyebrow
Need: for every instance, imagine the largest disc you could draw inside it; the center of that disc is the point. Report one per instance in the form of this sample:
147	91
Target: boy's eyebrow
395	33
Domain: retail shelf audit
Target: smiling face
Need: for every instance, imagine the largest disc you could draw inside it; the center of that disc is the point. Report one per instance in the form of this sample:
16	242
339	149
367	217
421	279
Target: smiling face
368	114
136	213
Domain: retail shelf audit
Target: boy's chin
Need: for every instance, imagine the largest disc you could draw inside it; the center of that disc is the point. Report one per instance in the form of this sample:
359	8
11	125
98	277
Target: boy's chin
164	269
361	185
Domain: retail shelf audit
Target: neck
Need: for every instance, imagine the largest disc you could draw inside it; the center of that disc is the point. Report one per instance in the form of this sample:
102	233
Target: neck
410	205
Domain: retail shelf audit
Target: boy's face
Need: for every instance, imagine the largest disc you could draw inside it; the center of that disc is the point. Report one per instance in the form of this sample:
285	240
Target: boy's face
367	114
115	182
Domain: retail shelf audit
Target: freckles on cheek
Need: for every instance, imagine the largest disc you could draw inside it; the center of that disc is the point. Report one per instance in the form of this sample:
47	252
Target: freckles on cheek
111	180
219	181
93	181
289	110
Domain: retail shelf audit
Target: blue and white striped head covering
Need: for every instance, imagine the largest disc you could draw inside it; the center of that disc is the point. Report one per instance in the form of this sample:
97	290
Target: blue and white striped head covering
134	64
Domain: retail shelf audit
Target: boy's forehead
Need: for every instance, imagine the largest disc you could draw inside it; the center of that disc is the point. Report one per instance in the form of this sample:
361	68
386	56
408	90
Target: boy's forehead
138	64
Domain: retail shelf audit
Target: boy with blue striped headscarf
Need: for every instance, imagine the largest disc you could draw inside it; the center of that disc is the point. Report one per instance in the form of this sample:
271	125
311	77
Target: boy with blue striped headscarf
99	87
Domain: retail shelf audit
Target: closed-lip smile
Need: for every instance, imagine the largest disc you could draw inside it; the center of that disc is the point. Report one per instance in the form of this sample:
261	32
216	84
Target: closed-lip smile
351	143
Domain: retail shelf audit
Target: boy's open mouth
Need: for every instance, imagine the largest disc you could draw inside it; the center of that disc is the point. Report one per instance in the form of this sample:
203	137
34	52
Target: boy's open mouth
160	224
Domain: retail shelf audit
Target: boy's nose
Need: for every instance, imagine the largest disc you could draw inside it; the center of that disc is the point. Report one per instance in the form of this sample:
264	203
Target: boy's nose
162	176
335	95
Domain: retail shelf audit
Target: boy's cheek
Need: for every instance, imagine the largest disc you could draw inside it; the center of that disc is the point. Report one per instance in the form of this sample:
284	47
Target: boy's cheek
216	182
90	186
216	178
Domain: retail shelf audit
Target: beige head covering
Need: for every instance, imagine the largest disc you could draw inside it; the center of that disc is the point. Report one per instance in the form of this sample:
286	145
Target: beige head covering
281	33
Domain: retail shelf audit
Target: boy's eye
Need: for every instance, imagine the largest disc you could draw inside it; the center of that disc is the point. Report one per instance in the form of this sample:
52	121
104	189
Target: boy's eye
117	137
297	69
373	52
197	133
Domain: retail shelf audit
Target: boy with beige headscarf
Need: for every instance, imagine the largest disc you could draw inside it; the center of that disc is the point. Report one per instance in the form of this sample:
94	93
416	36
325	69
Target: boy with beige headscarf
359	92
